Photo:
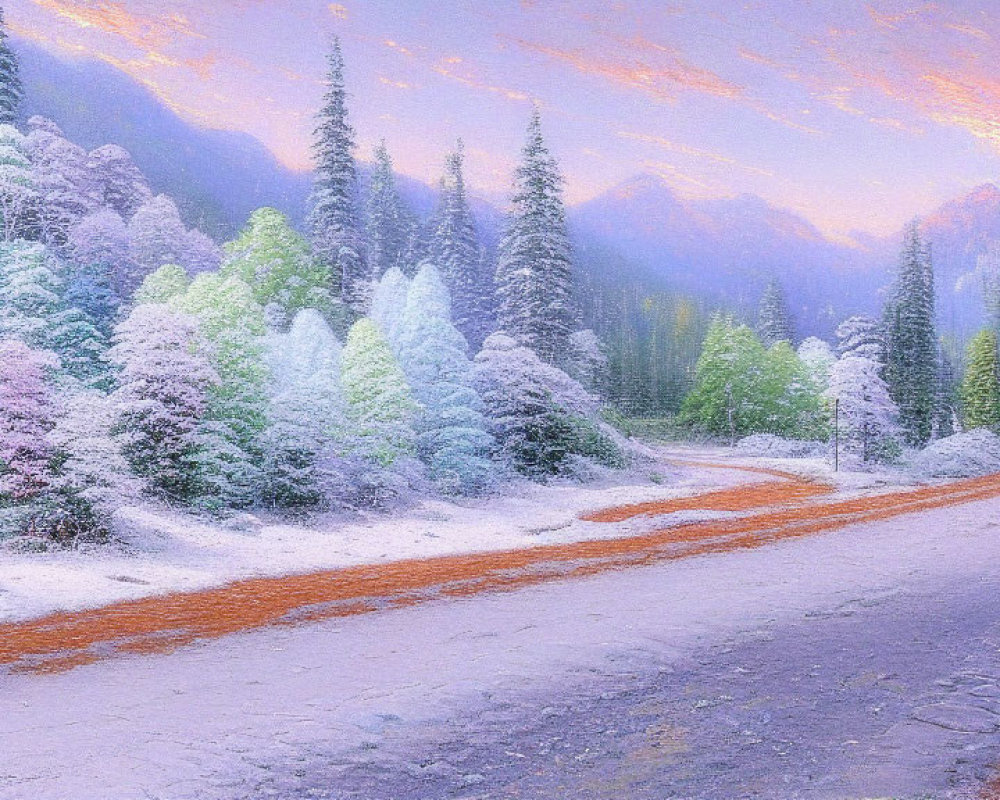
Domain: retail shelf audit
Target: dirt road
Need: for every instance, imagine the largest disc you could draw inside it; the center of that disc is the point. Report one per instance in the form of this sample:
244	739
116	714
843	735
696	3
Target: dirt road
787	508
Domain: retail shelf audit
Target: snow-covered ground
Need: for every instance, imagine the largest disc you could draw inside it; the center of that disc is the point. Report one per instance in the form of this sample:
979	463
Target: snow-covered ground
215	719
164	551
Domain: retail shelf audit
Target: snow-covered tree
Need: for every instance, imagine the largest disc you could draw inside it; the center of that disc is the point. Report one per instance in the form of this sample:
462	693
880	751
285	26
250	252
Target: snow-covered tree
389	222
334	224
861	336
118	182
90	475
540	417
98	245
156	235
167	283
306	419
389	303
451	431
456	250
162	396
947	394
200	253
818	358
35	310
27	415
774	321
11	89
981	385
534	273
60	175
379	401
231	334
276	263
911	343
867	416
18	194
588	361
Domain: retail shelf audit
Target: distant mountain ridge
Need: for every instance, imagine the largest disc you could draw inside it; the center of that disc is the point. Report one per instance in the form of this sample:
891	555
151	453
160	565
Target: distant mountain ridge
722	249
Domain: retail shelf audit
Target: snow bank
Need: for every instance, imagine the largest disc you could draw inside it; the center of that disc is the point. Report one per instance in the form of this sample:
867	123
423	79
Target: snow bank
769	446
964	455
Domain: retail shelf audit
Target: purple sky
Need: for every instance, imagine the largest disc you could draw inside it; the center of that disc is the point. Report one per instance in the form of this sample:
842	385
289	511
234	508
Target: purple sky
856	115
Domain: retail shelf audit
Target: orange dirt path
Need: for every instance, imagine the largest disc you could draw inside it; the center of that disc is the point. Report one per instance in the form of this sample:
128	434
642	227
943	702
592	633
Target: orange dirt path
162	624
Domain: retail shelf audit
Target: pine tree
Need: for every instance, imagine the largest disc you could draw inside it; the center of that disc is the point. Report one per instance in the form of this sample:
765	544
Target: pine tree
534	273
379	401
336	232
11	90
456	250
451	430
231	334
774	322
911	344
27	414
19	198
389	303
389	223
981	385
275	262
35	310
161	397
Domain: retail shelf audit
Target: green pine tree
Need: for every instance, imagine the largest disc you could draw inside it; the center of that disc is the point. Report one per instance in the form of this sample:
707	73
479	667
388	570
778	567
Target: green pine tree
11	89
981	385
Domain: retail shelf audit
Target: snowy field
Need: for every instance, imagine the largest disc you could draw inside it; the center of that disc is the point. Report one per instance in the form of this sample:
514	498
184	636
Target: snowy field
162	551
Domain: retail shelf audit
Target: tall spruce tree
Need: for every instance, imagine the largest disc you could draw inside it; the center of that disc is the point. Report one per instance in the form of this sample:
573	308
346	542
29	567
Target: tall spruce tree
911	343
981	385
534	273
456	251
774	321
389	223
11	89
333	220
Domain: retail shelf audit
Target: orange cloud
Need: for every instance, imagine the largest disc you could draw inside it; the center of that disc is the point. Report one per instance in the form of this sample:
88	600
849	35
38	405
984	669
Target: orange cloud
143	32
394	84
339	11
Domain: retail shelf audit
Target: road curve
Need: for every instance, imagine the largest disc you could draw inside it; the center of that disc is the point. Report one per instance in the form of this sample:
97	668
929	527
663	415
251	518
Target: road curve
775	510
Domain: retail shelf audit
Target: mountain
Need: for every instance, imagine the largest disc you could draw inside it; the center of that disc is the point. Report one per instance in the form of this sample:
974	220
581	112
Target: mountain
724	249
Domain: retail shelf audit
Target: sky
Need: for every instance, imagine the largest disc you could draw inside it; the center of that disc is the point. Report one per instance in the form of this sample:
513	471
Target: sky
856	115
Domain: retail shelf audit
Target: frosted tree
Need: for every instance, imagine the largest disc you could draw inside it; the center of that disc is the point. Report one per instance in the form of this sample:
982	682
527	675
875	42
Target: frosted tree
168	283
61	177
534	273
861	336
162	396
98	244
588	361
867	415
789	399
200	253
911	343
389	303
118	182
380	404
231	334
306	422
774	321
276	263
156	235
35	310
389	223
336	231
456	250
91	477
451	431
981	385
947	394
541	418
27	415
11	90
818	358
18	194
